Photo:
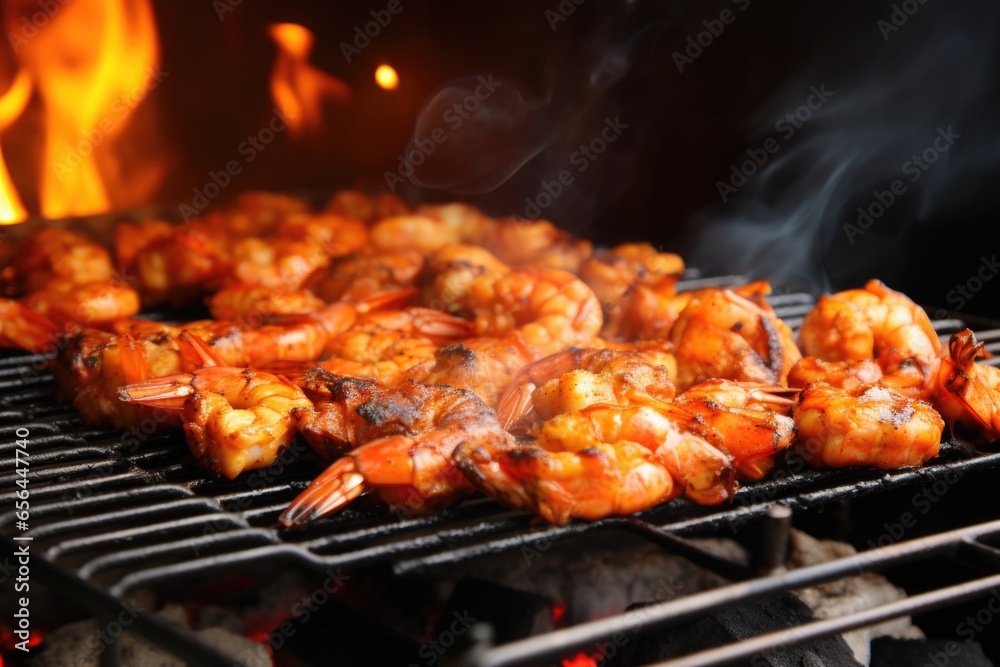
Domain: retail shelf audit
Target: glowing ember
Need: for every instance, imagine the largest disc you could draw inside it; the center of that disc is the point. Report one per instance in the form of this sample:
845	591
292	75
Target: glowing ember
12	103
558	611
298	88
92	65
386	77
579	660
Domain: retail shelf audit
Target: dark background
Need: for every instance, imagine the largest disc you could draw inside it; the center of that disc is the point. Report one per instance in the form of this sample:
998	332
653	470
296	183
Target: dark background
658	180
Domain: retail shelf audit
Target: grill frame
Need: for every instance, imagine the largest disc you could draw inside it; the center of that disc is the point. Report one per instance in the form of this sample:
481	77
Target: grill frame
82	473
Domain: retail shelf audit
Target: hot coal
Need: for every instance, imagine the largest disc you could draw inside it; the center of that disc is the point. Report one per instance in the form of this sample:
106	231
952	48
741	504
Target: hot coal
513	614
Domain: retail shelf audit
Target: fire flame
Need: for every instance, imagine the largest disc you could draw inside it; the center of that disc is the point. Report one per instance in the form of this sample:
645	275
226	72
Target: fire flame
92	63
387	77
12	103
298	88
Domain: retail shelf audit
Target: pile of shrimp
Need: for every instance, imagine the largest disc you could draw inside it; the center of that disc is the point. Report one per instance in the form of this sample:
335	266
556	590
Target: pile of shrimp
434	352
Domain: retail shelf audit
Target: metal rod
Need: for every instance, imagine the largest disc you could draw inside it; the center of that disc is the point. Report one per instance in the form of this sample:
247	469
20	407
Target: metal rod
730	653
178	641
677	611
774	542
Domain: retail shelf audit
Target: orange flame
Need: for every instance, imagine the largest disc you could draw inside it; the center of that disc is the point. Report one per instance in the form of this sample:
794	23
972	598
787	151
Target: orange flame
298	88
92	63
387	77
12	103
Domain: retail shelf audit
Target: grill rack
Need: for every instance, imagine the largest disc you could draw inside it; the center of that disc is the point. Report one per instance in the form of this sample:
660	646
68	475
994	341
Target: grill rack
114	512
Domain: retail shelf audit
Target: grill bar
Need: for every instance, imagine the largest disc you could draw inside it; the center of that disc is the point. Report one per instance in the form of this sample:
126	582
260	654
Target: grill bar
115	512
181	643
674	612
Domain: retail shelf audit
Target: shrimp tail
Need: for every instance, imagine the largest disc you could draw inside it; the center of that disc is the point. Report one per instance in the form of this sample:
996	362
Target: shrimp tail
196	352
135	365
438	324
965	349
169	392
336	487
515	404
387	299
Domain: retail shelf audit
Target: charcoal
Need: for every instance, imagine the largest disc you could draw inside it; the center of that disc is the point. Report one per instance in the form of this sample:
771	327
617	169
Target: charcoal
893	652
514	614
729	625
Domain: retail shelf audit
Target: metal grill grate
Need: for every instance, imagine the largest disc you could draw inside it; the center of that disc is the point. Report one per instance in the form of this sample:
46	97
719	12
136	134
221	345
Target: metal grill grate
116	512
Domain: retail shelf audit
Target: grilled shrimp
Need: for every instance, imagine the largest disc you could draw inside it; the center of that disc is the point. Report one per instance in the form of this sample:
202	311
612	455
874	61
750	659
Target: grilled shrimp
749	421
386	346
367	209
600	461
181	268
301	245
411	232
720	334
870	425
865	323
253	301
58	255
130	238
234	419
536	244
551	308
519	317
95	305
614	274
287	337
360	275
651	309
577	378
23	328
120	360
968	393
404	439
596	482
448	273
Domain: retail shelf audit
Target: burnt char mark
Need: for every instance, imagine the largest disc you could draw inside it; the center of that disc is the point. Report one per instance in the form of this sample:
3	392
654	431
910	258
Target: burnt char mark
775	351
458	354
